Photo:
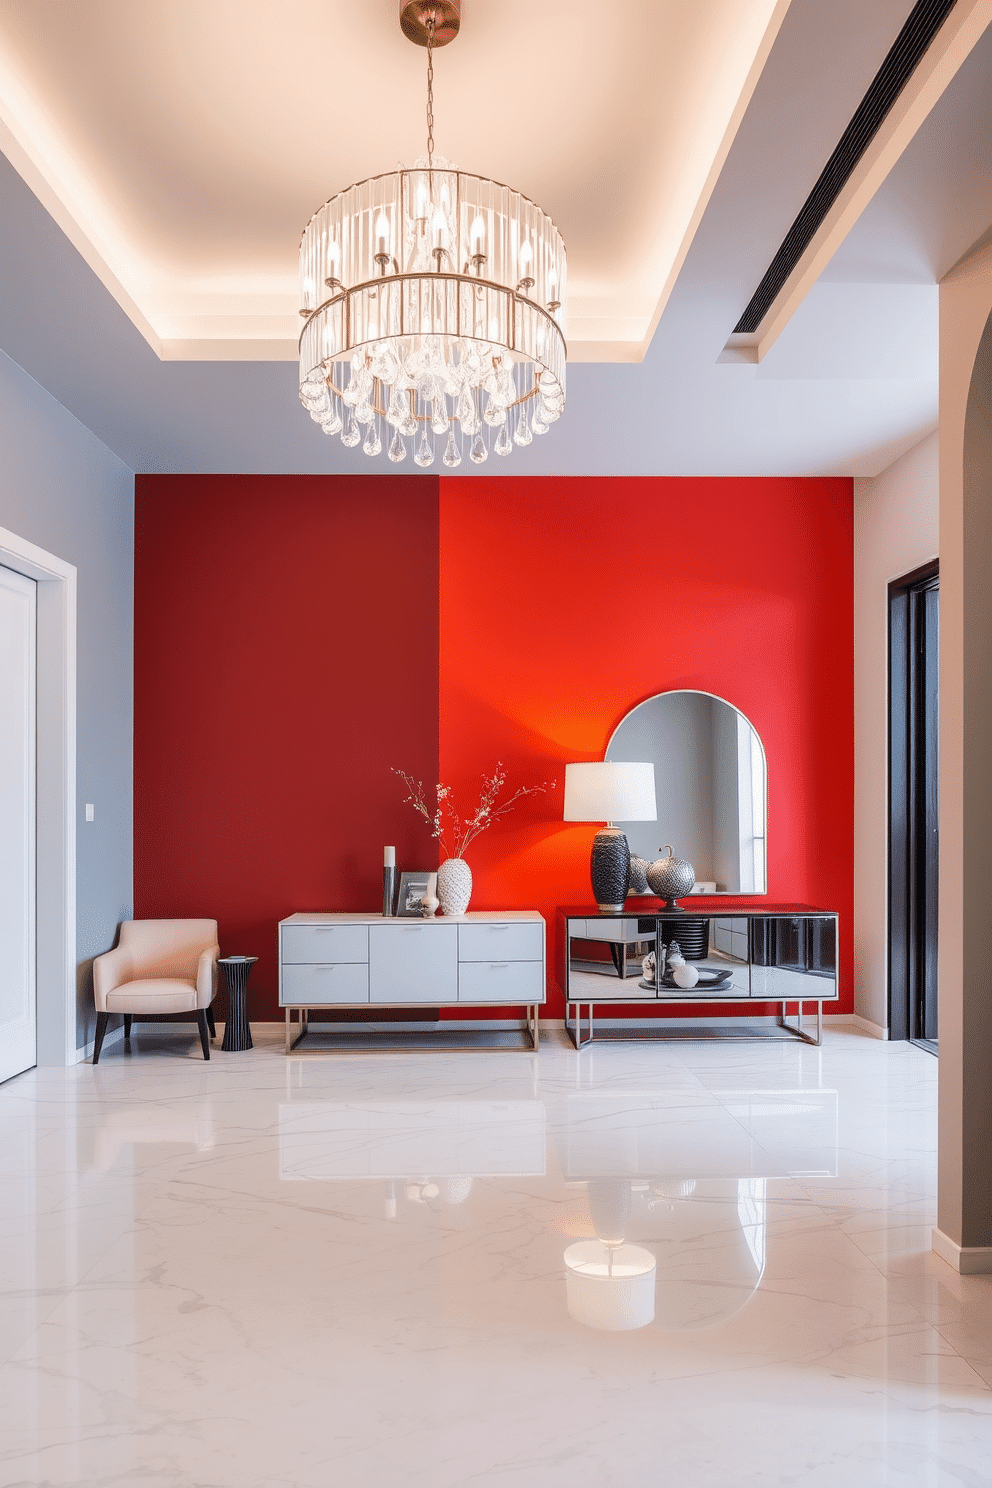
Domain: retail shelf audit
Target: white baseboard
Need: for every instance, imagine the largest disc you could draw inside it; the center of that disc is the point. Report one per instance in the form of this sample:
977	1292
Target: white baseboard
855	1020
968	1260
115	1036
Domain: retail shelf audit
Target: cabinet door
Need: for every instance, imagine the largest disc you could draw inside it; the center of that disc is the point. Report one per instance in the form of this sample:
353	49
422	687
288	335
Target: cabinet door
795	958
413	962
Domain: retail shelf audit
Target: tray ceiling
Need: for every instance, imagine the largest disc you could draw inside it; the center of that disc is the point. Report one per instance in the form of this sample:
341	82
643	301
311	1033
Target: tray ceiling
183	145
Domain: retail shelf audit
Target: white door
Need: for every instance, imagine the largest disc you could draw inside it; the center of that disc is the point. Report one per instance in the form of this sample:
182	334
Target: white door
18	1038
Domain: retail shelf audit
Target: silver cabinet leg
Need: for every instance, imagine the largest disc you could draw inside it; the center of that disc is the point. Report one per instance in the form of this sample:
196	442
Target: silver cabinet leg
533	1027
796	1029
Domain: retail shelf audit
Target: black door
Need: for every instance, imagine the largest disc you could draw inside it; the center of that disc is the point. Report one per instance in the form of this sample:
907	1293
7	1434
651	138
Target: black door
914	643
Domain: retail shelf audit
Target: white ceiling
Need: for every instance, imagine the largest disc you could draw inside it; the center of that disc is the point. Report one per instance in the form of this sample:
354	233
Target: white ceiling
192	156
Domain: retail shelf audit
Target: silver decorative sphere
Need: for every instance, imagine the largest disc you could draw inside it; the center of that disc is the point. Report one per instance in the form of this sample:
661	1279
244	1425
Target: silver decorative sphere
671	878
638	875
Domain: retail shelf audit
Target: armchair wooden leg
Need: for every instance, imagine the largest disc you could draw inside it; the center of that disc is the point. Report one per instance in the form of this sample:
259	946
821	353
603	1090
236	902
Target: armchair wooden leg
210	1021
101	1028
127	1025
201	1020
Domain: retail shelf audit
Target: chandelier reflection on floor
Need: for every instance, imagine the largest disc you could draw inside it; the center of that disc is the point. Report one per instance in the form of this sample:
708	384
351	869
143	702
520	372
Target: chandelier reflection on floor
433	303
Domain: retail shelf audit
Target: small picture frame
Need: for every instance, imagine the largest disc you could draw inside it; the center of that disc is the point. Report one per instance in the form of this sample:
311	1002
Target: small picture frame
413	888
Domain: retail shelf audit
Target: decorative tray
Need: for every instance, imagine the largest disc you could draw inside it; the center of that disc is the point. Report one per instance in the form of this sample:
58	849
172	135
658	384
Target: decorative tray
706	979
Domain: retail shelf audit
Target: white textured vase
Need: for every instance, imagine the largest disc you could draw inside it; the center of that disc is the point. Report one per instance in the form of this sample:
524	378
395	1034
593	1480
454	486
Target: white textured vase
454	886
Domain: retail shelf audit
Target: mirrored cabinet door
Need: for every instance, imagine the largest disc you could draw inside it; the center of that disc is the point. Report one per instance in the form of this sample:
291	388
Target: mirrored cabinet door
794	957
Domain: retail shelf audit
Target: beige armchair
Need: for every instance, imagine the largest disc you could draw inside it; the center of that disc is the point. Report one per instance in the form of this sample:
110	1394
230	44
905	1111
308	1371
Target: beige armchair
158	969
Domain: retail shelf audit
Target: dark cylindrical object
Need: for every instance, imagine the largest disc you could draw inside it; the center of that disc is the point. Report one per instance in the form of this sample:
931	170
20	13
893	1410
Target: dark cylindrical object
237	1030
692	934
388	891
610	869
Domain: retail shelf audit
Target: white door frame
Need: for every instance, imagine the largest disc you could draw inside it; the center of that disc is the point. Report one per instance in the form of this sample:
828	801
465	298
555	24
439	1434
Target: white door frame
56	842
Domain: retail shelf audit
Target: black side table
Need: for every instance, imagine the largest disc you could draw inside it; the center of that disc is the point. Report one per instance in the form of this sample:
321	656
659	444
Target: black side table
237	1030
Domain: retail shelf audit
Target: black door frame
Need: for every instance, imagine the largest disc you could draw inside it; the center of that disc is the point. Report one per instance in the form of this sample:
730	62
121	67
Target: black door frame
911	935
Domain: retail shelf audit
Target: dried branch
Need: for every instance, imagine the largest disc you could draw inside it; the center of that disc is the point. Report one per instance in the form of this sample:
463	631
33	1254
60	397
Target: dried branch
446	824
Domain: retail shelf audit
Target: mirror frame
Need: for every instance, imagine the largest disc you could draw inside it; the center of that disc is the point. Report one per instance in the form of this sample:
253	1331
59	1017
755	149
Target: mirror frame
701	692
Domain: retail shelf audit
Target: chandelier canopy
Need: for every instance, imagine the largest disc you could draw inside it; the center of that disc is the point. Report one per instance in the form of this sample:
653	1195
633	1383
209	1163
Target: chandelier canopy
433	305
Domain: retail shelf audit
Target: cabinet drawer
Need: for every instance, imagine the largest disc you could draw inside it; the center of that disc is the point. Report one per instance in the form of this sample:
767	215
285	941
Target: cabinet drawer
323	943
413	961
502	940
310	985
501	982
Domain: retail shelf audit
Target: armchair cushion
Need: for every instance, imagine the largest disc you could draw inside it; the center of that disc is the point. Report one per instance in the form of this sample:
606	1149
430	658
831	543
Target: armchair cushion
153	995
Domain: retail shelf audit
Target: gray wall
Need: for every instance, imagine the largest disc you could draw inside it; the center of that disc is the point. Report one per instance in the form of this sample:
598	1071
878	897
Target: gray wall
63	490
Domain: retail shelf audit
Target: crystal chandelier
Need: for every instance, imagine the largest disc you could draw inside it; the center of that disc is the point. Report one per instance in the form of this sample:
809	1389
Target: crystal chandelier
433	304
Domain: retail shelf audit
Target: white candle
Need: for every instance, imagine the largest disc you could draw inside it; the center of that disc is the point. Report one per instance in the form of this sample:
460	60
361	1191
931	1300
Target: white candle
389	857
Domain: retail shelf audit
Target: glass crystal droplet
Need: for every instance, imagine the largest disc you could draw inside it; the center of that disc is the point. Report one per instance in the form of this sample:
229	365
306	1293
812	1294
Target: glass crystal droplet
479	453
425	452
504	444
522	434
365	413
352	433
331	423
397	449
452	454
465	411
373	444
439	416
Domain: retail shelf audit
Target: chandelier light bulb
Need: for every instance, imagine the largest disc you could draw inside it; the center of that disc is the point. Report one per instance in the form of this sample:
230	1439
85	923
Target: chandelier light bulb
432	300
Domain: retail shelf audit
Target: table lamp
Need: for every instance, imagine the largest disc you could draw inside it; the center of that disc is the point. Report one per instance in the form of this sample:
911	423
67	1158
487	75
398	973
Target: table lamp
610	790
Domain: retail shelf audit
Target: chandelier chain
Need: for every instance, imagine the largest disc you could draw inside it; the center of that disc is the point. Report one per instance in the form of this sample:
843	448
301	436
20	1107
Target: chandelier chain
431	22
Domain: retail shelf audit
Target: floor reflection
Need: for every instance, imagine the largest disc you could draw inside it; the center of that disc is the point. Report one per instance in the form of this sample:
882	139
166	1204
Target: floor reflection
437	1270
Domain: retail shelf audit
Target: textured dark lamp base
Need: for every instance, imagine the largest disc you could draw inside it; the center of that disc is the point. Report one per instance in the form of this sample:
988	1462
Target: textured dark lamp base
610	869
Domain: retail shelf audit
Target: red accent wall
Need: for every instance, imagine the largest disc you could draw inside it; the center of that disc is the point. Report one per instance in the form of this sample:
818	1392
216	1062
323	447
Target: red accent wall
286	655
288	652
565	602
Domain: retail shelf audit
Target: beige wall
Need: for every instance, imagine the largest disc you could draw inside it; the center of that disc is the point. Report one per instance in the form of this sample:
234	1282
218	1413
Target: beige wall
964	1234
896	521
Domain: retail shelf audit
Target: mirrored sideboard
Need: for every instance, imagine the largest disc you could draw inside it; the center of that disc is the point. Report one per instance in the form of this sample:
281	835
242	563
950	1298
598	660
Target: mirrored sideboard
780	953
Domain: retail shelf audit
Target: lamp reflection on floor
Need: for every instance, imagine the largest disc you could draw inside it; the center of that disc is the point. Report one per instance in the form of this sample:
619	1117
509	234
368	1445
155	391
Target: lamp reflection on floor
608	1283
610	1287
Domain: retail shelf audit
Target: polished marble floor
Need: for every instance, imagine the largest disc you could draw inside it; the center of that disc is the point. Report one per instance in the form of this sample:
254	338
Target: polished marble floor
703	1264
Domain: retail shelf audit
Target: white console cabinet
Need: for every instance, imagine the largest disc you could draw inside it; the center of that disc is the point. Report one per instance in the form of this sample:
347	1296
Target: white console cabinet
335	961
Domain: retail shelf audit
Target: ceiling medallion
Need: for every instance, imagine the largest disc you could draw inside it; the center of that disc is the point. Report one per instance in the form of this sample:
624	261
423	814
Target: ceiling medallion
433	302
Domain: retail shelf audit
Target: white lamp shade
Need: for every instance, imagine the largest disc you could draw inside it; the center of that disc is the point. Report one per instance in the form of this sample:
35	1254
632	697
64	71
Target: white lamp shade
605	790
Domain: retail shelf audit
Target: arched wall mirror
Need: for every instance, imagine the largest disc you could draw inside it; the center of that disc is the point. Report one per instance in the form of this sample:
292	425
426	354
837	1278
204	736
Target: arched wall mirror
710	780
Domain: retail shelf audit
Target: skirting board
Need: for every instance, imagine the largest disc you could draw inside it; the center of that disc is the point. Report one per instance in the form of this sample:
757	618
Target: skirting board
968	1260
115	1036
855	1020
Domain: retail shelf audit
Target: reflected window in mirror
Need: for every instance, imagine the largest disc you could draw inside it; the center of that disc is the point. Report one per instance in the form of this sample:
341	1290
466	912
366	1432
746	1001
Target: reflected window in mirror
711	785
